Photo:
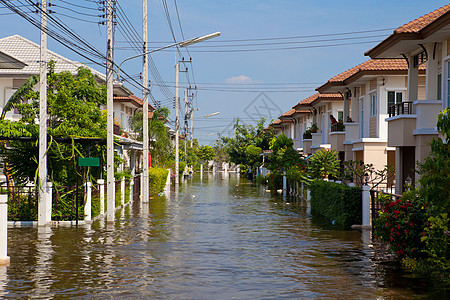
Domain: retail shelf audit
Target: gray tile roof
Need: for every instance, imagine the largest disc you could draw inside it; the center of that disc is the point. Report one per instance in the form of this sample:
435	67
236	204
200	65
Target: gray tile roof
28	53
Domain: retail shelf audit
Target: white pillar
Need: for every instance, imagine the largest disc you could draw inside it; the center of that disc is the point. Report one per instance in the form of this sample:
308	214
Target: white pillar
131	189
49	193
142	184
431	71
122	190
4	258
101	187
88	201
45	204
413	80
346	107
167	187
201	170
365	205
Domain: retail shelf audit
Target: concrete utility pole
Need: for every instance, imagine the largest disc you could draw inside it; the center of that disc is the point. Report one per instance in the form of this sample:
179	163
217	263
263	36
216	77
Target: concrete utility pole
110	191
145	187
185	125
45	204
177	109
192	125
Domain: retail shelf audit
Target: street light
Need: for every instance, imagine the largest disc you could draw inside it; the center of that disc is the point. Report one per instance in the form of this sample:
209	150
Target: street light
180	44
145	191
177	100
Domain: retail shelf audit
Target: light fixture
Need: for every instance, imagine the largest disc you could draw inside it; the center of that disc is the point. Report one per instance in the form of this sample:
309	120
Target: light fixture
408	183
366	177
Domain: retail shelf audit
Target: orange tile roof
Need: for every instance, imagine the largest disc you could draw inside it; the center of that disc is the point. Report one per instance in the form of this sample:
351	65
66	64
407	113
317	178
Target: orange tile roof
136	101
418	29
418	24
275	123
372	67
316	98
289	113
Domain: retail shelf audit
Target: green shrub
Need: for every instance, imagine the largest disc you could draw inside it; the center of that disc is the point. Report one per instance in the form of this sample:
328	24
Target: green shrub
157	180
337	202
260	179
274	181
324	163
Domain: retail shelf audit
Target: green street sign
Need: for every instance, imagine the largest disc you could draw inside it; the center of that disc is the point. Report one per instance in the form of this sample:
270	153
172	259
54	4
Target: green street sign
88	162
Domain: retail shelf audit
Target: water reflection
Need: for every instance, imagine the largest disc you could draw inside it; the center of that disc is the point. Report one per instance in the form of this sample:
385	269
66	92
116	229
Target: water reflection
219	237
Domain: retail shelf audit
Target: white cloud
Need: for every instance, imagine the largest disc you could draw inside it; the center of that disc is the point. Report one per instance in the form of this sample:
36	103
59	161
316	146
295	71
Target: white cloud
239	79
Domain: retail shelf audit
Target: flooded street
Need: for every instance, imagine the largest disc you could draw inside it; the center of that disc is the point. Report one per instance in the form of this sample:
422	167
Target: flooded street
218	238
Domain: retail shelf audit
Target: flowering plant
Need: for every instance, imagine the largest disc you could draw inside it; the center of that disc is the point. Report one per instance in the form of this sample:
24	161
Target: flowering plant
401	223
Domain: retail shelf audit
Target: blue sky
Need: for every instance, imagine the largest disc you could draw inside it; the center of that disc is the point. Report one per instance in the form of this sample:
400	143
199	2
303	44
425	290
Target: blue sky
234	72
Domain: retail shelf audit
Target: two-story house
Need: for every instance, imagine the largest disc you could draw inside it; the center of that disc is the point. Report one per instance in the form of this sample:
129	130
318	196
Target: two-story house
369	89
412	122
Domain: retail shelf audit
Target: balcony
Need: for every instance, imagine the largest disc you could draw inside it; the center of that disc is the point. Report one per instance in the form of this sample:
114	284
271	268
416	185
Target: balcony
336	139
307	146
403	108
409	119
351	132
338	127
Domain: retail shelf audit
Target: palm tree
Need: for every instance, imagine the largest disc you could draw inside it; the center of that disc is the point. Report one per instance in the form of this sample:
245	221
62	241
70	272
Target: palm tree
159	137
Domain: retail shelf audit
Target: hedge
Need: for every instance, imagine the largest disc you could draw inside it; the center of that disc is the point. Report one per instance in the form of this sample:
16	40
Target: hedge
157	180
337	202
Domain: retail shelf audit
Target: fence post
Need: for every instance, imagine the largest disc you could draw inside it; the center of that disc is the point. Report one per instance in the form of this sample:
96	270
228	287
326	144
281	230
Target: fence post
101	187
45	206
88	201
4	258
201	170
142	186
167	186
122	191
365	205
131	189
49	191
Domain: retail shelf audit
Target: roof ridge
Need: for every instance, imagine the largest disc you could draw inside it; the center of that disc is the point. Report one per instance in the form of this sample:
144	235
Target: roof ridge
432	16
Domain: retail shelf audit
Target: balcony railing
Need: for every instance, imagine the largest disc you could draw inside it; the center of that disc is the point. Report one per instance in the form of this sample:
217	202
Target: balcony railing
402	108
337	127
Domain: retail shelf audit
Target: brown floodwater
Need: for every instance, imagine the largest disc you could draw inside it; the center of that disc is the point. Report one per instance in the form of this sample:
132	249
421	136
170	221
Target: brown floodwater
219	237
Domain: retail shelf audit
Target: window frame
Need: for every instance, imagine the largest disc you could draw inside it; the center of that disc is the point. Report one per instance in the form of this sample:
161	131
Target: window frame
373	98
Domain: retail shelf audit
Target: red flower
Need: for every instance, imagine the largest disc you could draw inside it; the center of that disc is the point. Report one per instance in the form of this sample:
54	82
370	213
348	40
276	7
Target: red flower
391	204
392	229
396	212
398	227
406	231
411	224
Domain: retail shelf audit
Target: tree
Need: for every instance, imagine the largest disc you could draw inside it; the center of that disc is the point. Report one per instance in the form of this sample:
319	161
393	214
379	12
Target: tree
246	135
283	155
160	143
324	163
74	111
206	153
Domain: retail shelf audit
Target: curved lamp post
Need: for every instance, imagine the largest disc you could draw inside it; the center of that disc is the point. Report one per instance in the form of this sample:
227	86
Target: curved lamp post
145	191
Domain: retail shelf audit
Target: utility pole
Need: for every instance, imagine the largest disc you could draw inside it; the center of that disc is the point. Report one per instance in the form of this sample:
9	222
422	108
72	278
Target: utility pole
177	108
44	204
145	187
185	125
109	117
192	126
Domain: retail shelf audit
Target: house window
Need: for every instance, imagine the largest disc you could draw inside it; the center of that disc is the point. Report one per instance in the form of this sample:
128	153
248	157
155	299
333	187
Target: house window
394	98
373	104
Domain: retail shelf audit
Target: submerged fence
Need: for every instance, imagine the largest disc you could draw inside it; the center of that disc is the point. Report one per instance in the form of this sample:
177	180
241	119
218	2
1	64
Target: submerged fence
68	202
